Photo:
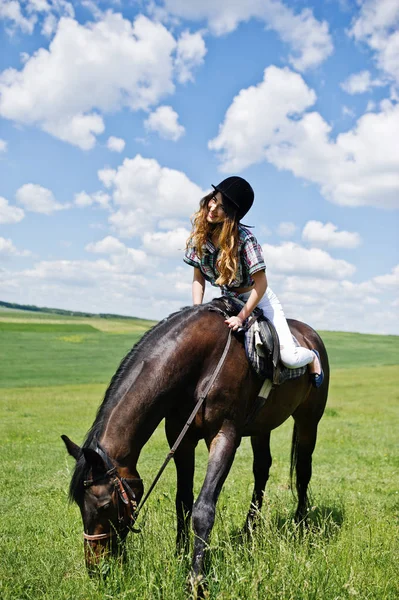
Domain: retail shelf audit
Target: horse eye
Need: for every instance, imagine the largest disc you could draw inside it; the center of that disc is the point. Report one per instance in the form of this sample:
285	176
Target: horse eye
104	506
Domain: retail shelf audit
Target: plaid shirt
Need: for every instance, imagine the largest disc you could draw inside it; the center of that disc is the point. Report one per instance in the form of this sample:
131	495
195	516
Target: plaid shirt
250	260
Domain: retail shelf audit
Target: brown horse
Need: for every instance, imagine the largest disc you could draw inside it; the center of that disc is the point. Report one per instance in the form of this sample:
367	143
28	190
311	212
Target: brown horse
162	377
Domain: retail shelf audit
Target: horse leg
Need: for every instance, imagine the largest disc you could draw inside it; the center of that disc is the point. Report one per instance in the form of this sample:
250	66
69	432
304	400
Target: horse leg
303	443
261	467
221	454
184	458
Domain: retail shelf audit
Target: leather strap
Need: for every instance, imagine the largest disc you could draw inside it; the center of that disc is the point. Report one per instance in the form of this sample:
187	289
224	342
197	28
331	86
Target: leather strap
191	418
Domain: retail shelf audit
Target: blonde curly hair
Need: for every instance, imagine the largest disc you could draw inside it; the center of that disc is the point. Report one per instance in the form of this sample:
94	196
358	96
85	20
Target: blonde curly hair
227	261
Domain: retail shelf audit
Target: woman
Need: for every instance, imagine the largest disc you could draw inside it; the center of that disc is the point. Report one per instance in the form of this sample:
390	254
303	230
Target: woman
225	253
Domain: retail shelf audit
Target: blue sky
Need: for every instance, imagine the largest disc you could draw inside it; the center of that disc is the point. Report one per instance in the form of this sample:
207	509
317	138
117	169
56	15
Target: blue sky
116	117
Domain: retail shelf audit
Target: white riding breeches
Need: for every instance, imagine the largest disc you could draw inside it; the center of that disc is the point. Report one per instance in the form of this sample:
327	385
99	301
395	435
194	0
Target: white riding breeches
292	356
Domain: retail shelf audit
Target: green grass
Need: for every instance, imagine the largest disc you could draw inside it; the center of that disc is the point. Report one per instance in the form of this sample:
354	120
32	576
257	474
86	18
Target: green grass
30	358
47	328
348	350
350	551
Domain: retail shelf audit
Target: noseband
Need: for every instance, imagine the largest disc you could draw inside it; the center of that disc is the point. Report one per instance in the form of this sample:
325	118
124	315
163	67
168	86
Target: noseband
126	499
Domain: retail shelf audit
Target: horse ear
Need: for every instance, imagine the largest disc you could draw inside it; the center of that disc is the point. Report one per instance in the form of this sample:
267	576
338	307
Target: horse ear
94	459
73	449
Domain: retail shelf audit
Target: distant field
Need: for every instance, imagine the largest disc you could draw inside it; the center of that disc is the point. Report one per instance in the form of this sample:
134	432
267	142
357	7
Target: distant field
37	347
347	350
73	350
45	327
109	325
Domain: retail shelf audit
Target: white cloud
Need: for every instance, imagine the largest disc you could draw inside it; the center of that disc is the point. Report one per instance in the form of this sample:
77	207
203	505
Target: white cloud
358	83
129	288
7	248
38	199
125	259
328	288
290	258
339	305
95	286
259	115
190	53
10	214
61	7
377	25
171	224
3	146
108	245
106	176
10	11
62	88
286	229
388	280
79	129
164	120
308	38
348	112
166	243
145	192
116	144
84	199
24	15
327	234
49	25
268	122
128	222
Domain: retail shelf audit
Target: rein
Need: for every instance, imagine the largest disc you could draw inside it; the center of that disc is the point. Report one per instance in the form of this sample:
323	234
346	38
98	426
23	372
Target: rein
124	491
191	418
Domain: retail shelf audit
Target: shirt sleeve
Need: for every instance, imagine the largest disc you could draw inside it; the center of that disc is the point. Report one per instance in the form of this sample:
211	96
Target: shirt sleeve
252	255
191	258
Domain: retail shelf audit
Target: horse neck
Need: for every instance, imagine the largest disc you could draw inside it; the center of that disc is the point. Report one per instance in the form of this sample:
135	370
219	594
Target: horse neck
164	369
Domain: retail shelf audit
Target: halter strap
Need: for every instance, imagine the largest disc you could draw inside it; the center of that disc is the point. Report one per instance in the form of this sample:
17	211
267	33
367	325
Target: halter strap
124	492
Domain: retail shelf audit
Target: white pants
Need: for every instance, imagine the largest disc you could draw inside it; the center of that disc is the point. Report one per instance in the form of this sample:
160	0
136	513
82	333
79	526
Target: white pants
292	356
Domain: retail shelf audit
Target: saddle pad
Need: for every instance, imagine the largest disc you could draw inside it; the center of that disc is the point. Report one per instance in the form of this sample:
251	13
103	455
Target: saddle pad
258	353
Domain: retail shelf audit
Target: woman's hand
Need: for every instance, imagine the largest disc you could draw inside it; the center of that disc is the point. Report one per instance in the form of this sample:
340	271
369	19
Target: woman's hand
234	323
260	286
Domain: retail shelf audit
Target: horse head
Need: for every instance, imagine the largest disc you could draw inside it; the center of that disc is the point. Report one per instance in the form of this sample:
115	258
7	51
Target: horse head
107	501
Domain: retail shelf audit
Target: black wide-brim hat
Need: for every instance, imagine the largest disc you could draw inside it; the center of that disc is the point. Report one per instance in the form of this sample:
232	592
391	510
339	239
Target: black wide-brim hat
239	192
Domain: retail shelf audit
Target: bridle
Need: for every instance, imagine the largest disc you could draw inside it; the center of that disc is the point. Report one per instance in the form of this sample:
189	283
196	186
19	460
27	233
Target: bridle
128	509
126	498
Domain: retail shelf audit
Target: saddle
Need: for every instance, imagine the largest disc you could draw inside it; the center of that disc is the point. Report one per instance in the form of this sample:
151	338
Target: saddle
261	342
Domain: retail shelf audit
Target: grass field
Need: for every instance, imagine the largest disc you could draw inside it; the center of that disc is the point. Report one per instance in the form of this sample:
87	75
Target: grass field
53	374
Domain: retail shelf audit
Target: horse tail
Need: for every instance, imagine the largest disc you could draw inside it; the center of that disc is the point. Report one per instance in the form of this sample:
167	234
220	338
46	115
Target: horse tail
294	458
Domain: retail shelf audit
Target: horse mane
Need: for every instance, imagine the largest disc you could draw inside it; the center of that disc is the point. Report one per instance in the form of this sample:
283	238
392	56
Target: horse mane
111	398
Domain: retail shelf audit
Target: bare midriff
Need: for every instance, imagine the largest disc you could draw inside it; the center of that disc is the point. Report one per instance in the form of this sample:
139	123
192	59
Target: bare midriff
242	290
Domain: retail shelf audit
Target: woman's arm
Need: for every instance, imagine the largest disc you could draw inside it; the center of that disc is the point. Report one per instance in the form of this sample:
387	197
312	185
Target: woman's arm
198	287
258	291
